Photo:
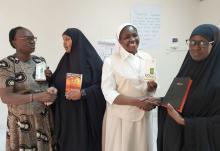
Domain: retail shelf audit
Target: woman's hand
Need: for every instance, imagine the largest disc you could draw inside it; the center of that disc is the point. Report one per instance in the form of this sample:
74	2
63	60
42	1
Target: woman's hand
74	94
147	103
175	115
52	91
44	97
151	86
156	100
48	73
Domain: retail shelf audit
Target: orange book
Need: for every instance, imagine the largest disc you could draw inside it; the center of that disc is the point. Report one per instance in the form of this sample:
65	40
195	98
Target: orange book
73	81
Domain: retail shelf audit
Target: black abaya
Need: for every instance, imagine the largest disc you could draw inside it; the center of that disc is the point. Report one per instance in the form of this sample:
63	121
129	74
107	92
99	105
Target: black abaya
78	124
201	112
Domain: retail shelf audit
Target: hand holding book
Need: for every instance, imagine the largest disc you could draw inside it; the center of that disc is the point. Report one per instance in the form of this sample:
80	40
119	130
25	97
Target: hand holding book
40	72
150	74
73	86
170	109
74	94
175	115
48	73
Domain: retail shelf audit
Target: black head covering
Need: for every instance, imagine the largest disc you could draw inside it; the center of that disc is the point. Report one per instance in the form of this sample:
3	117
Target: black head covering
82	53
202	109
79	120
204	30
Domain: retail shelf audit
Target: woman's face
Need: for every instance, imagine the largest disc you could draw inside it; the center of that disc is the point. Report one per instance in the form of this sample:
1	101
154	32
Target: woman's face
129	39
24	41
67	43
199	48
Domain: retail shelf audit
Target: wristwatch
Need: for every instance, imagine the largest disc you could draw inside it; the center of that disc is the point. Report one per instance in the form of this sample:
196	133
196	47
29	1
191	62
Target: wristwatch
83	92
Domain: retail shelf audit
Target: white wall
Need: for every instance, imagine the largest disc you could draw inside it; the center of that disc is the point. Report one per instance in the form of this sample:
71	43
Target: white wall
208	12
99	19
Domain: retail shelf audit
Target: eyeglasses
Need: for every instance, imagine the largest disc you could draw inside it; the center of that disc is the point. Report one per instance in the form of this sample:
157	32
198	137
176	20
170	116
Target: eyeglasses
200	43
28	38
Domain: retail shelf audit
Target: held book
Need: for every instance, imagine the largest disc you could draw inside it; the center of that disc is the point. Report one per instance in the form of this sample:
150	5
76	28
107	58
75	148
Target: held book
150	70
39	71
177	93
73	81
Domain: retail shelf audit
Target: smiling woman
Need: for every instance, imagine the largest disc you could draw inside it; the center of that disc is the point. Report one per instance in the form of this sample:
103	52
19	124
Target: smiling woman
129	39
127	125
29	120
197	128
199	47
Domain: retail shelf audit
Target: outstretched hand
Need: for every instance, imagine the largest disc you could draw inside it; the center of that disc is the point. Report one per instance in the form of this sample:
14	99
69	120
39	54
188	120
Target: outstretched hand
52	91
147	103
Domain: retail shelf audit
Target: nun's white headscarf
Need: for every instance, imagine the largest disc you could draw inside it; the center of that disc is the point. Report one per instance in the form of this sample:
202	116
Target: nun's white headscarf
118	46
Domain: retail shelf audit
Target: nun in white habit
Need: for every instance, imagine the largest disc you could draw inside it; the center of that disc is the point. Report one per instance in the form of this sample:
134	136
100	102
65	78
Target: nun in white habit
128	123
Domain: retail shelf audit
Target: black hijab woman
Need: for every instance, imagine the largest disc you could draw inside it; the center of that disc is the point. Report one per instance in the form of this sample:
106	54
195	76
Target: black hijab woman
198	127
78	115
